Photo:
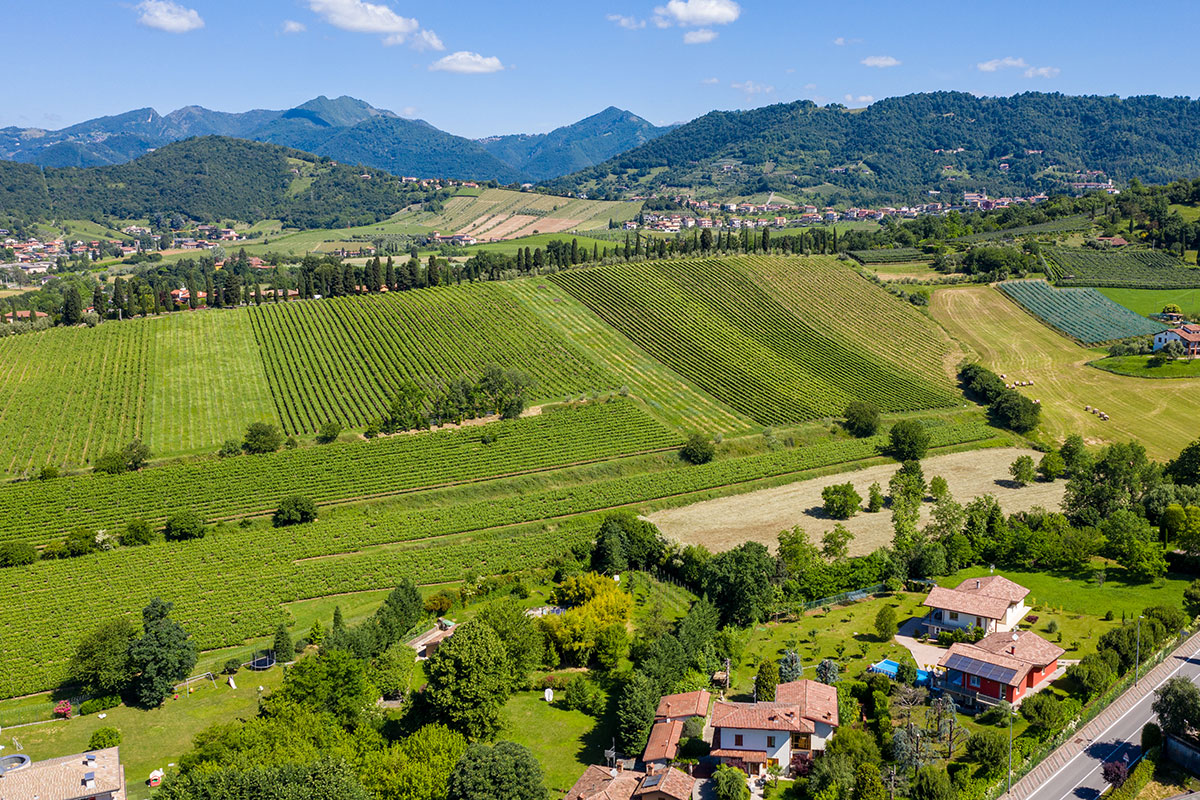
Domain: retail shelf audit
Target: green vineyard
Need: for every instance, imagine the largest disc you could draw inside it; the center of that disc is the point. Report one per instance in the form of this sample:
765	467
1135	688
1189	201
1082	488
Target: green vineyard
228	586
1124	269
1083	314
343	359
1065	225
245	485
894	255
713	325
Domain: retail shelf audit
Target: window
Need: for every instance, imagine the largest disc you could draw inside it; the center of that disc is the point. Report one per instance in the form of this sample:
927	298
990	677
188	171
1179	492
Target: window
771	742
801	741
978	622
975	680
954	616
737	740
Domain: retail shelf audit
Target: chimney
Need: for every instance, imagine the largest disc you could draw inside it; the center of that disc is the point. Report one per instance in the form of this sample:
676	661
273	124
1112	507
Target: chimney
978	583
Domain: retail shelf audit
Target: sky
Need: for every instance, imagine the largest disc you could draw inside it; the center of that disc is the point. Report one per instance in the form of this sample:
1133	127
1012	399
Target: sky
483	67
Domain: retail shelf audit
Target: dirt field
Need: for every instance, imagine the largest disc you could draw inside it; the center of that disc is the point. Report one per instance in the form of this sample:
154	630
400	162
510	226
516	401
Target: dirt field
1161	414
759	516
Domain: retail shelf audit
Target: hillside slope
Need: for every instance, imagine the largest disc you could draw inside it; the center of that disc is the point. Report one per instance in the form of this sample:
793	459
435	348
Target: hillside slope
904	147
573	147
209	178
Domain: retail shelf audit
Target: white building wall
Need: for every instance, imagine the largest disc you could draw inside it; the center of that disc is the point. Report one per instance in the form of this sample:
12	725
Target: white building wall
1016	612
824	732
757	740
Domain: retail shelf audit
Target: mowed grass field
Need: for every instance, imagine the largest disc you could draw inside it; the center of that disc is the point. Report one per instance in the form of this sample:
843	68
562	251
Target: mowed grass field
1152	301
207	381
1160	414
711	322
503	214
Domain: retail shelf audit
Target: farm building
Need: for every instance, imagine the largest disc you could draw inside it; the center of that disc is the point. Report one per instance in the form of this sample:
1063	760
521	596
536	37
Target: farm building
1187	335
991	603
1001	666
787	732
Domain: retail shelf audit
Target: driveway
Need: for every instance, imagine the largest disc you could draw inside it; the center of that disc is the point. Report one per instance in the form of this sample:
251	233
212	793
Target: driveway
926	655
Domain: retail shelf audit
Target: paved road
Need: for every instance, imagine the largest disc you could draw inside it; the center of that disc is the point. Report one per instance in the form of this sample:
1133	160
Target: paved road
1073	771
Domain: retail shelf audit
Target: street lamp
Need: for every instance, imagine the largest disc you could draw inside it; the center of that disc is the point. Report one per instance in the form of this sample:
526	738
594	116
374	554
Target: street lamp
1137	657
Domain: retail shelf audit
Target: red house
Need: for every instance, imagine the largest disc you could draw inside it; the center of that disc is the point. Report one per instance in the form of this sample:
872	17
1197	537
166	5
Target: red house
1001	666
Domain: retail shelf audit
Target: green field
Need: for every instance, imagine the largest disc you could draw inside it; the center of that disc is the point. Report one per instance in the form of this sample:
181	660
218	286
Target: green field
1083	314
1123	269
709	321
343	359
510	247
1053	228
894	255
1139	367
1152	301
230	586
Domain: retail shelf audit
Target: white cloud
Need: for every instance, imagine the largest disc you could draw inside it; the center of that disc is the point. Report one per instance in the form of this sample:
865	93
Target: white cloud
291	26
862	98
701	36
842	41
711	81
1042	72
465	63
1001	63
408	111
360	17
424	40
166	16
880	61
810	86
750	88
628	23
697	13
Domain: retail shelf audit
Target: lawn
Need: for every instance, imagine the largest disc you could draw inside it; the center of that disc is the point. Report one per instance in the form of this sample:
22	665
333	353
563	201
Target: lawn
1152	301
1140	367
1162	415
565	742
844	633
150	739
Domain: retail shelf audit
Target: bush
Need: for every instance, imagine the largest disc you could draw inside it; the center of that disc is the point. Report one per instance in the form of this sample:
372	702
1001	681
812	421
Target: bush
372	430
1015	411
104	737
885	623
906	673
329	432
137	532
862	419
1151	736
182	526
262	437
841	501
231	667
698	449
293	511
231	448
1052	466
98	704
908	441
988	749
583	695
48	473
875	498
17	554
1023	470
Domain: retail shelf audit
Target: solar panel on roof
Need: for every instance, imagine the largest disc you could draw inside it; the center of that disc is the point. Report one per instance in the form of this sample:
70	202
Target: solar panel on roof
972	666
652	780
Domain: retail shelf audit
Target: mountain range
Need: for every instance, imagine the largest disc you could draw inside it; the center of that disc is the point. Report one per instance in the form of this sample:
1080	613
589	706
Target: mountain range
905	148
345	129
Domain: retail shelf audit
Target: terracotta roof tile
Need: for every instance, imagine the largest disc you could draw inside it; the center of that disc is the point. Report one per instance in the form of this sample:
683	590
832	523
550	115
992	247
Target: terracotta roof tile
1018	667
598	783
749	756
817	701
677	706
1023	645
664	740
671	782
994	586
966	603
761	717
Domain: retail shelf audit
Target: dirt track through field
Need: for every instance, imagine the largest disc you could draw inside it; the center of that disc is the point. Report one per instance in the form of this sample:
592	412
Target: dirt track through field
759	516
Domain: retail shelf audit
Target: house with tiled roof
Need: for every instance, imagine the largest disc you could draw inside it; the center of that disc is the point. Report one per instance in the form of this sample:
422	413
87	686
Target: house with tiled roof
683	706
673	710
95	775
1187	335
1000	666
615	783
991	603
791	729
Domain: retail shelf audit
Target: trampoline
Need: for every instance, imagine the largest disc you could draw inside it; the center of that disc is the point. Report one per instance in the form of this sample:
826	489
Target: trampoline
262	661
891	669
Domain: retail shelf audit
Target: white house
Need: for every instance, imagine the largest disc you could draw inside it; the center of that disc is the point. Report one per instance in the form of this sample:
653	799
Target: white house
1187	335
755	736
992	603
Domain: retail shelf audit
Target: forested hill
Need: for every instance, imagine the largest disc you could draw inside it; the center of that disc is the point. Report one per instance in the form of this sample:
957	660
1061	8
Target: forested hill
573	147
209	178
903	147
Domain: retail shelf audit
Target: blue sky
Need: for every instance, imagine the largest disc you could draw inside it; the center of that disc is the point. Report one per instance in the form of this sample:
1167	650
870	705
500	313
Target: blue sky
479	67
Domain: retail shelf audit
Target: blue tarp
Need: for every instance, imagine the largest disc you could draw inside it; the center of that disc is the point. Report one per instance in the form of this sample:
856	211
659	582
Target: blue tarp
891	669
